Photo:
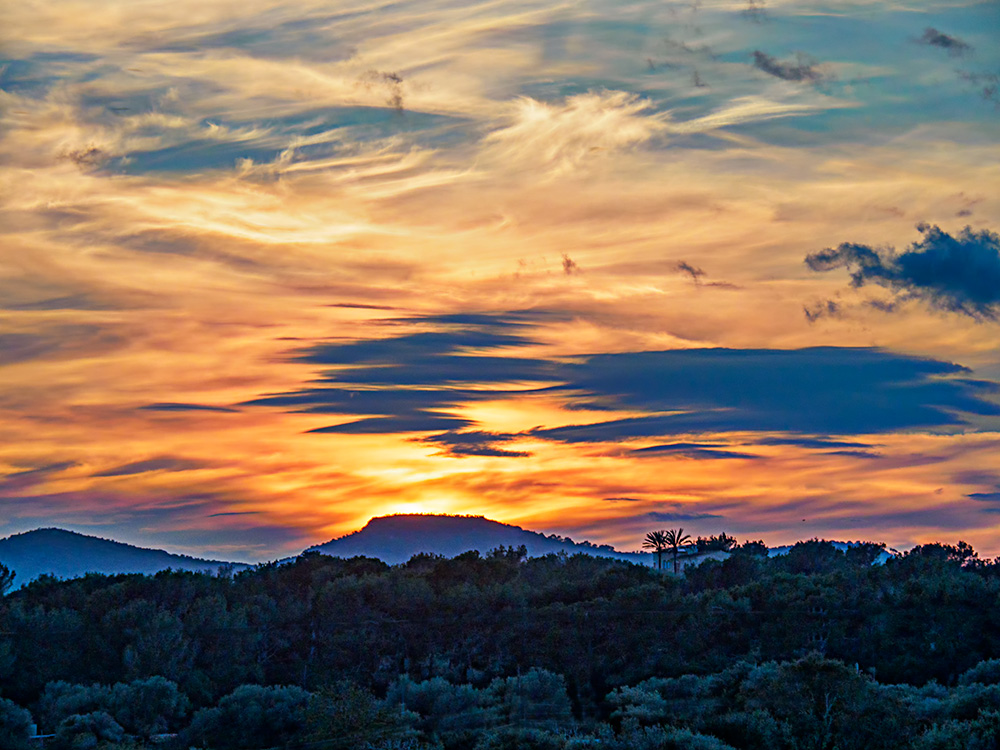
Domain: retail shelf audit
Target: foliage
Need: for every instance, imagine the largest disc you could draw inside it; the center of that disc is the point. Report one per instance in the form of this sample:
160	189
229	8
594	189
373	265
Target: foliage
15	726
250	717
721	543
345	715
87	732
818	648
656	541
6	579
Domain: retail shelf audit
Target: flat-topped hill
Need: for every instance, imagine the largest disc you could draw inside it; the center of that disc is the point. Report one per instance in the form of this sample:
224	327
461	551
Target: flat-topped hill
395	539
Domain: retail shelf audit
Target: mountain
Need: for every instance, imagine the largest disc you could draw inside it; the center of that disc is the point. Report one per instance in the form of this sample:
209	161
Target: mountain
395	539
66	554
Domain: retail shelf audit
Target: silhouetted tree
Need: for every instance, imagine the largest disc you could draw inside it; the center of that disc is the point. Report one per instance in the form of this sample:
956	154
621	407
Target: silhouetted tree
721	543
675	541
656	541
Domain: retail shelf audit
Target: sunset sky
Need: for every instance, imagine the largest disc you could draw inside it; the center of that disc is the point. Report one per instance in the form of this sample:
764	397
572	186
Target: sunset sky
594	267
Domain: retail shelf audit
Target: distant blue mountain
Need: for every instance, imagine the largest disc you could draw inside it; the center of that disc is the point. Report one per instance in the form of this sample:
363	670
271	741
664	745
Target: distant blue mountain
66	554
395	539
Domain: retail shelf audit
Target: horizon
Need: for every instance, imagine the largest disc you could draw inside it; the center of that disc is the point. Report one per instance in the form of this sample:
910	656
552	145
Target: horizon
587	268
583	542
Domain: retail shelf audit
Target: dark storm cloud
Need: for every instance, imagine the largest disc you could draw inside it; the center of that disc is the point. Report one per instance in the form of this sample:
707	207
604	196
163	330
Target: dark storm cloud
689	450
177	406
160	463
802	70
955	46
414	383
958	274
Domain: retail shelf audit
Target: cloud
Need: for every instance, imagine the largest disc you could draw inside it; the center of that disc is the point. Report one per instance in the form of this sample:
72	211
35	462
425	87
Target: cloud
819	390
826	309
20	347
802	70
416	382
689	450
621	499
954	46
475	443
558	138
985	497
855	454
160	463
177	406
20	480
420	422
569	265
58	341
458	451
660	516
697	274
958	274
694	272
806	442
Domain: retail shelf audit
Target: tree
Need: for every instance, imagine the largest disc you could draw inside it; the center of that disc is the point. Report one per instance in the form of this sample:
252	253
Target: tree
87	732
15	726
251	716
6	579
147	707
675	540
656	541
721	543
752	548
346	715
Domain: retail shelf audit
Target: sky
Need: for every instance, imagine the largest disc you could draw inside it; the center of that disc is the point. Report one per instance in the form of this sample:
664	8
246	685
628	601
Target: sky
592	267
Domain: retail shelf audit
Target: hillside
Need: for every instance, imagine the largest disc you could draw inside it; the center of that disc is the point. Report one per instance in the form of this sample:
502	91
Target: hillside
67	554
395	539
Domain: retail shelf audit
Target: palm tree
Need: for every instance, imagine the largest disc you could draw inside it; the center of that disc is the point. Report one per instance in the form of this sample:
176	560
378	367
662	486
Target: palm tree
657	541
675	540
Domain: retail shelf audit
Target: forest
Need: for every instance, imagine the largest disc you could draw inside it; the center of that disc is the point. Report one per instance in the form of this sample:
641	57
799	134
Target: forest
818	649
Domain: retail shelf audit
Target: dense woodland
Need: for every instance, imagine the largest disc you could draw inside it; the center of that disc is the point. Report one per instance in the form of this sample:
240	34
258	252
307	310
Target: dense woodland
817	649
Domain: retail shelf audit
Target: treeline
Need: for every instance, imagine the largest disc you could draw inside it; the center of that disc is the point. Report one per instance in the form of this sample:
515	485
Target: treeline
814	649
